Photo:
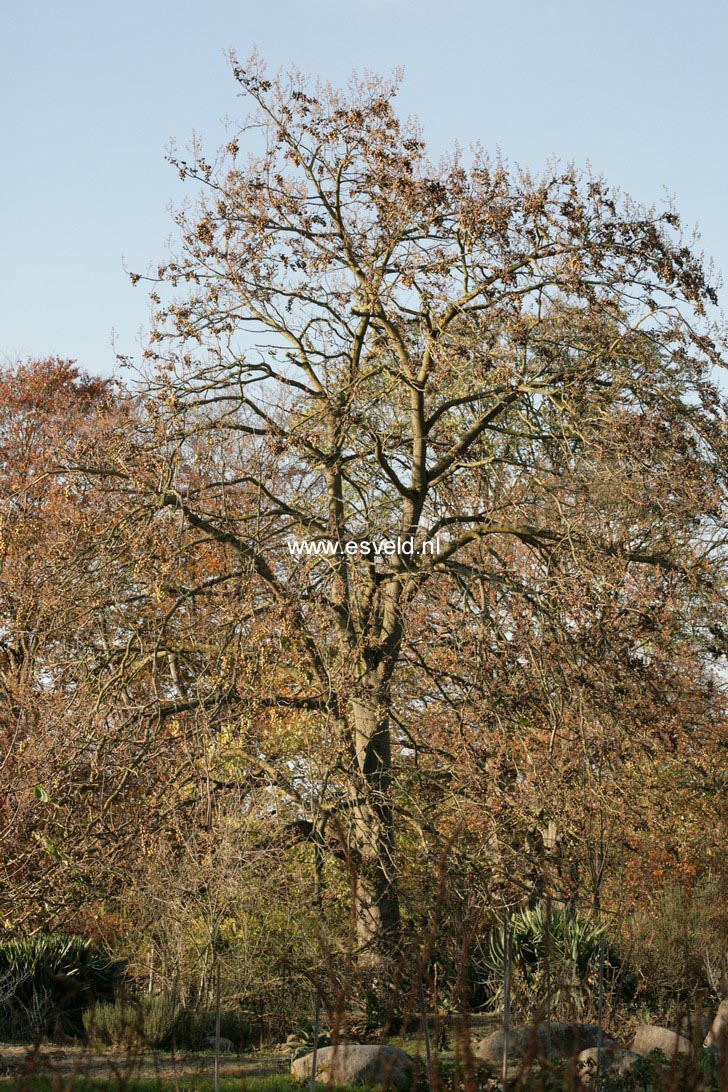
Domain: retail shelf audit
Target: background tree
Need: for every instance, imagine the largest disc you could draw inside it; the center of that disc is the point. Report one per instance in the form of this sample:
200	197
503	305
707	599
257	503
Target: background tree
85	780
46	408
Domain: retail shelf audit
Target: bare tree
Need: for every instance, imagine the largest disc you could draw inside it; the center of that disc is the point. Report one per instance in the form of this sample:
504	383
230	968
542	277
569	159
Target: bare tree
395	399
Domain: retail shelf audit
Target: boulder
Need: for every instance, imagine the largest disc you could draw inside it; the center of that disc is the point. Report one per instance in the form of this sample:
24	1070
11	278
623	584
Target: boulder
650	1037
354	1063
719	1029
226	1046
566	1041
616	1062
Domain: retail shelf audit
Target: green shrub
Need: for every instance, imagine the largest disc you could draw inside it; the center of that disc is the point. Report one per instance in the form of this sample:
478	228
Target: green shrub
138	1023
153	1021
46	982
196	1025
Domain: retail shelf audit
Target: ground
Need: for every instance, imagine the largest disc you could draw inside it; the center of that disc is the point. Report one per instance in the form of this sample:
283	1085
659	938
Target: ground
63	1065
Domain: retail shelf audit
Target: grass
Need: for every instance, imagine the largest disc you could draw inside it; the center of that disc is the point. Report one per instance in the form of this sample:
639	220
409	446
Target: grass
58	1083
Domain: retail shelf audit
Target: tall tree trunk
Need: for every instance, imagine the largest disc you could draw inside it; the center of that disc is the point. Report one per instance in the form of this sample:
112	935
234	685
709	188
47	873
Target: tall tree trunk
371	846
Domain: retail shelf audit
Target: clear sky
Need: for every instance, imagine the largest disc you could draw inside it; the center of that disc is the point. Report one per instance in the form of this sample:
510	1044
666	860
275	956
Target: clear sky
91	93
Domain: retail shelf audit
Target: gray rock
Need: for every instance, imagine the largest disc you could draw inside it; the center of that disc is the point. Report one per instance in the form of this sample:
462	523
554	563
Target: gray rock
566	1041
616	1062
226	1046
719	1029
352	1063
650	1037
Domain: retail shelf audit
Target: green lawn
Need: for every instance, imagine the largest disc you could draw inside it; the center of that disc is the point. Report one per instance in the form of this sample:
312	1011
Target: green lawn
58	1083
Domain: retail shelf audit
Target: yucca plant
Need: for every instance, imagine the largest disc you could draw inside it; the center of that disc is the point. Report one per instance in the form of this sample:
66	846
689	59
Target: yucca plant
560	962
47	980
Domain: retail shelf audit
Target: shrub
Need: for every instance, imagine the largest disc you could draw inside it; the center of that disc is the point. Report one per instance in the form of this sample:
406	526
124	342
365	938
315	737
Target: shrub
153	1021
138	1023
677	946
194	1026
46	982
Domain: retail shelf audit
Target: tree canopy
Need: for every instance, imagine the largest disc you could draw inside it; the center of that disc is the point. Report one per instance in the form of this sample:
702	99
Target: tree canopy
366	345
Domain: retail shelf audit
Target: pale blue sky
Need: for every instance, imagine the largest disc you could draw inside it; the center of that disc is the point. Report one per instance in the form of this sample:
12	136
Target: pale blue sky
92	93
